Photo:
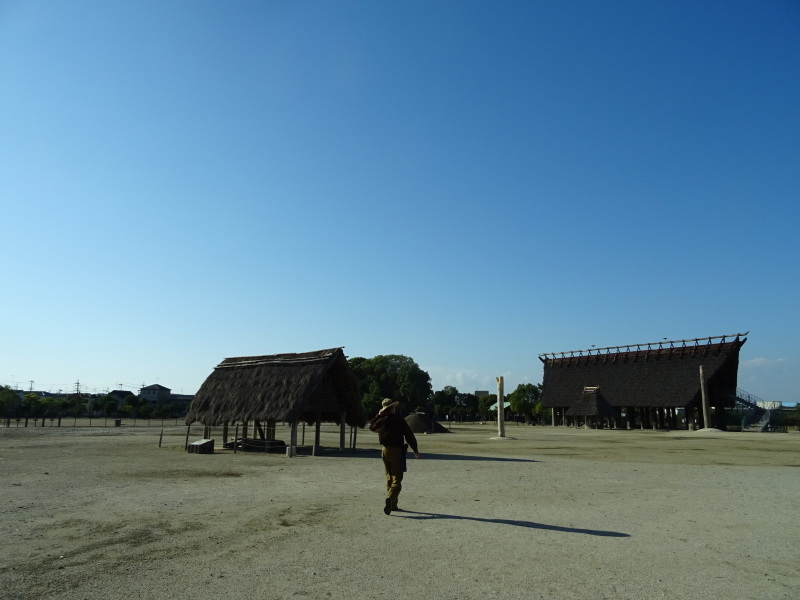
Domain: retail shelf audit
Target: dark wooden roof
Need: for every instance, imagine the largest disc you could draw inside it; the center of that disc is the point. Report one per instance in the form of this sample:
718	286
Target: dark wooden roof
284	387
591	404
656	374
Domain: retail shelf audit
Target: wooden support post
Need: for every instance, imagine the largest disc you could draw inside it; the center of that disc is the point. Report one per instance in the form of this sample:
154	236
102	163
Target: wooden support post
225	434
342	417
291	450
236	439
160	437
704	395
501	412
317	427
186	443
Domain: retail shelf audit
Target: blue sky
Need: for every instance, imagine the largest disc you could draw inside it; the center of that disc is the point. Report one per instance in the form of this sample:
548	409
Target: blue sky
470	184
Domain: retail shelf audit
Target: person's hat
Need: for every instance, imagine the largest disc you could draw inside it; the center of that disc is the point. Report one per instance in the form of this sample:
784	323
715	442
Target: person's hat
387	404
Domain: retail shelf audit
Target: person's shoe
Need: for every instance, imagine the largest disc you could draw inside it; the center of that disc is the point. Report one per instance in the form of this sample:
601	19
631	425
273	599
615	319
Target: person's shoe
387	506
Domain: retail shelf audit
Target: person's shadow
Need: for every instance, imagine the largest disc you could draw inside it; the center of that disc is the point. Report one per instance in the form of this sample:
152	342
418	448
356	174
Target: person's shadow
423	516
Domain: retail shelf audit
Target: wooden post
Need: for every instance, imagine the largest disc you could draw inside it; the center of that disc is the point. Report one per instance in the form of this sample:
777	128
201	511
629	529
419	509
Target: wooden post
225	434
501	412
317	426
704	395
161	437
355	435
342	417
236	438
186	442
292	449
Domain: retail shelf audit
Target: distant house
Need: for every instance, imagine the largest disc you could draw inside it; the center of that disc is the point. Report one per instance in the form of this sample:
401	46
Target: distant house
120	395
155	394
180	402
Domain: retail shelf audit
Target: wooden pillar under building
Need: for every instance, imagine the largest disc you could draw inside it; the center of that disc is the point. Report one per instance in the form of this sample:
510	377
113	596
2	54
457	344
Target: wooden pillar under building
317	428
225	434
270	429
342	417
291	449
704	396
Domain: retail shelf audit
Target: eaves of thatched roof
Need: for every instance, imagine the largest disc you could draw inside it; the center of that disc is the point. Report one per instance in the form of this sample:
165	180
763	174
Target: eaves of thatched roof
659	374
309	386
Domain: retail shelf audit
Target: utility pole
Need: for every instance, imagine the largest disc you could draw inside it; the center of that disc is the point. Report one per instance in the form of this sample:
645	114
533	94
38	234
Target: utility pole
31	388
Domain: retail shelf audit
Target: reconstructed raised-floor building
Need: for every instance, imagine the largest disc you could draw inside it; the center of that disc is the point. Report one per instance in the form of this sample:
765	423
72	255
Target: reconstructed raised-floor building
644	385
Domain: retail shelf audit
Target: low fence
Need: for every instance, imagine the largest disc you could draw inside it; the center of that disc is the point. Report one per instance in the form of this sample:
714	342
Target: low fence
66	421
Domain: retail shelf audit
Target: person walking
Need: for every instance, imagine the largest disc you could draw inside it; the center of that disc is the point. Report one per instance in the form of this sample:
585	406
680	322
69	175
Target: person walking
395	436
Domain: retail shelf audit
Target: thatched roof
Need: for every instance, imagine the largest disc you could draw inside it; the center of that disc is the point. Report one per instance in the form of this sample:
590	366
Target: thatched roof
281	387
591	404
422	423
657	374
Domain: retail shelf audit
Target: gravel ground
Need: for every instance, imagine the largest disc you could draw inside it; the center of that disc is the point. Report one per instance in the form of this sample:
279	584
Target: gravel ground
104	513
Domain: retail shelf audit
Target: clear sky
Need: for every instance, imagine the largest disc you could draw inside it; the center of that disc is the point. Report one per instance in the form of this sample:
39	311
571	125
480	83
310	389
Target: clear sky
470	184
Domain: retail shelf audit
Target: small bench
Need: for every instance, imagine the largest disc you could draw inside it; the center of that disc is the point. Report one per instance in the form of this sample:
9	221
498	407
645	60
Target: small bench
201	447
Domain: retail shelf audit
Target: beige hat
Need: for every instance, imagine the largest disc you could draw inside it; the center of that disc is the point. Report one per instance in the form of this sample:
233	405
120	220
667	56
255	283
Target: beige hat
387	404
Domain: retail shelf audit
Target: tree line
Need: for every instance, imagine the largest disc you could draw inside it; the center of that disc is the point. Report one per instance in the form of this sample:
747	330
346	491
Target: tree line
400	378
34	406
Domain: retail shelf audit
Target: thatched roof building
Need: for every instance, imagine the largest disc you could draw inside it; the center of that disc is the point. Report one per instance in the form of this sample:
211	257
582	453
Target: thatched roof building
591	404
649	378
309	387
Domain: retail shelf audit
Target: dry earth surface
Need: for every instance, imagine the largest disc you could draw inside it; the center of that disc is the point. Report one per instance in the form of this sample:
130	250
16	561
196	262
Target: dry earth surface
104	513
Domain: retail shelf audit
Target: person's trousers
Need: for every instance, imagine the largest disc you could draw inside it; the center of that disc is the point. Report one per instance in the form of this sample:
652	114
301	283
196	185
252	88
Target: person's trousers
393	459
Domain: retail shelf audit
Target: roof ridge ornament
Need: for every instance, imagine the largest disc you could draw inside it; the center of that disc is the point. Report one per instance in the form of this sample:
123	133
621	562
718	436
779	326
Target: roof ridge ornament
739	338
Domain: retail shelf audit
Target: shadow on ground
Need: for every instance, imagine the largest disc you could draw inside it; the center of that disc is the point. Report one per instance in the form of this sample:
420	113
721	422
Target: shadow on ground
376	453
424	516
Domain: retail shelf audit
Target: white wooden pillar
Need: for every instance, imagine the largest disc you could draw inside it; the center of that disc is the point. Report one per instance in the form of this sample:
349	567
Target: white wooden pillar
501	412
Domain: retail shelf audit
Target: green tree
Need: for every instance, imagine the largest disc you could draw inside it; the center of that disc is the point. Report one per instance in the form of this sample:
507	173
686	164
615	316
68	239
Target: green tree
466	406
9	400
484	406
524	400
163	411
131	405
32	405
444	401
391	376
76	403
106	404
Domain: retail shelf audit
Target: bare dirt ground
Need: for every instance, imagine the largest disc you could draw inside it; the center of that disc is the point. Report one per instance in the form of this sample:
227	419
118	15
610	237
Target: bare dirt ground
104	513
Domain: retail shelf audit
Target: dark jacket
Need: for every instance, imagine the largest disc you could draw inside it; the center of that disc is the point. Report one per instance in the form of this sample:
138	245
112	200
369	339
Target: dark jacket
392	430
